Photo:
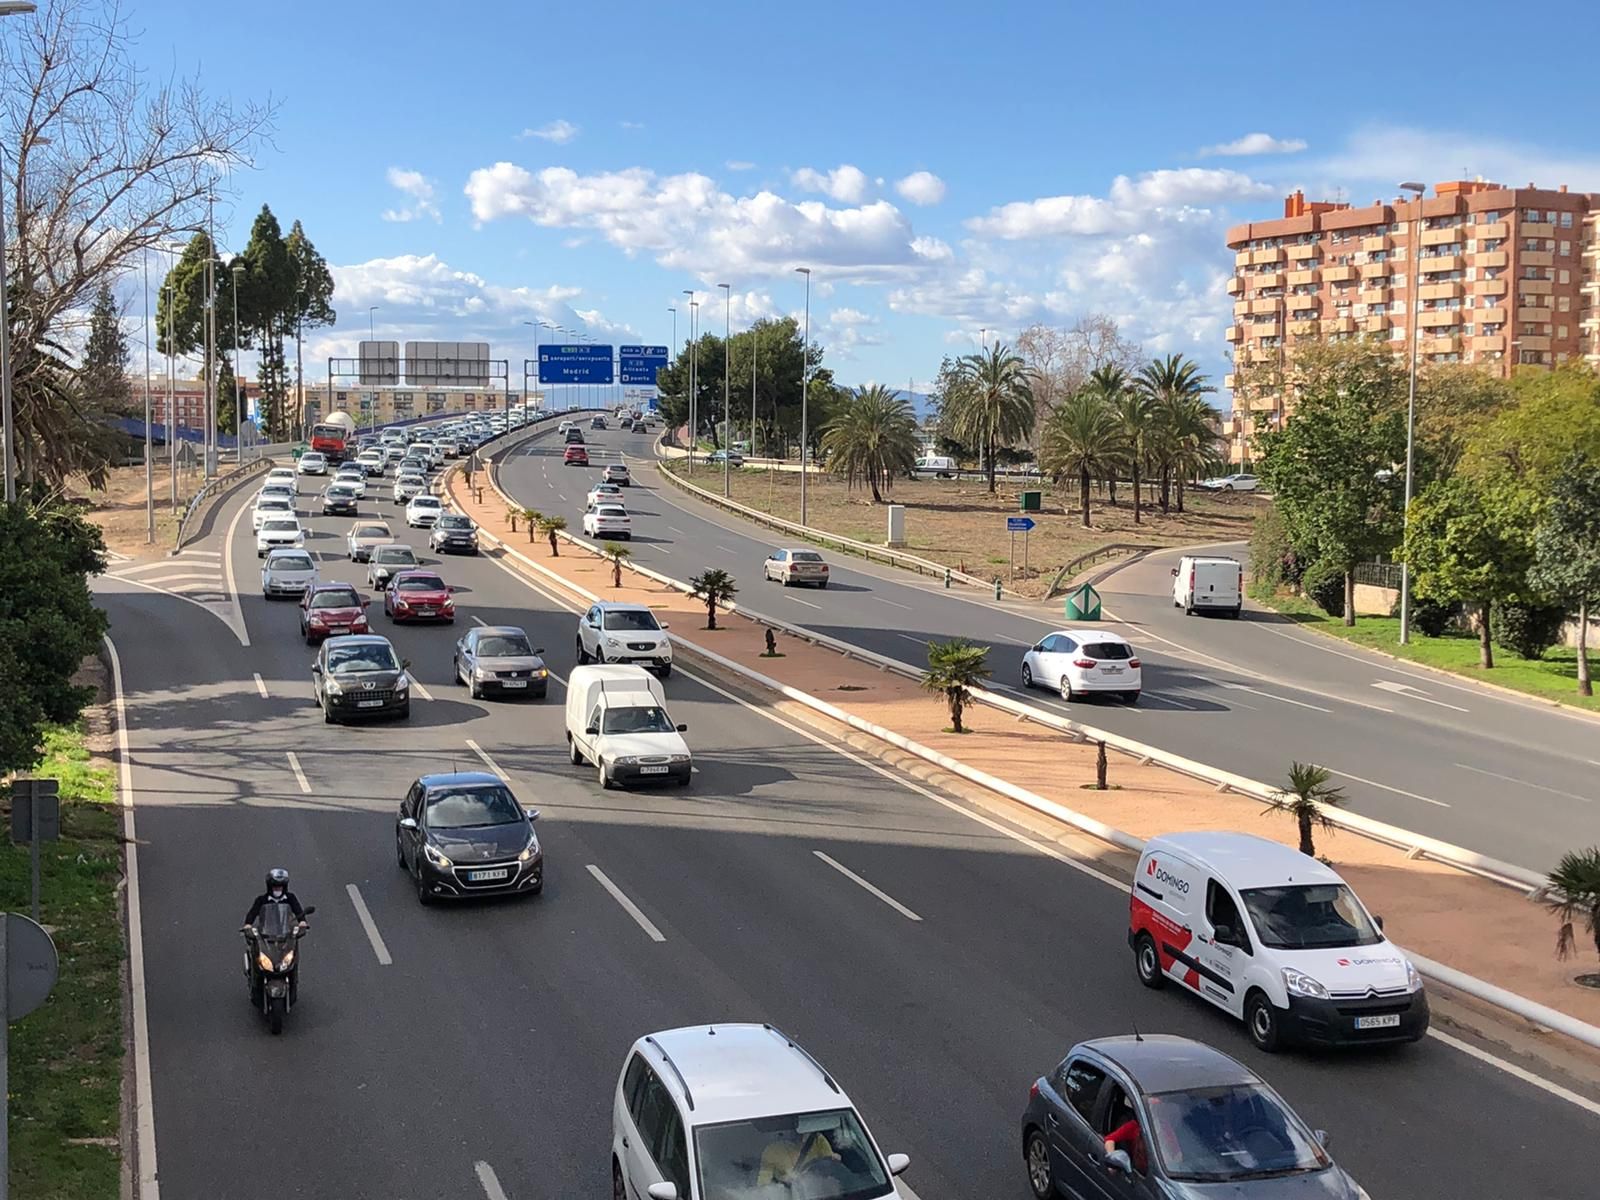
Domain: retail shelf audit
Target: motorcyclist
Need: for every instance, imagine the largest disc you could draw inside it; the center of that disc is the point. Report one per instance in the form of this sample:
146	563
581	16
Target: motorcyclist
277	893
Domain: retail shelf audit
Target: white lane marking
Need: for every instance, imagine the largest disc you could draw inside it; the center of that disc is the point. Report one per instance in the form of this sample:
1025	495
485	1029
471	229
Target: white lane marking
807	603
479	620
417	687
176	576
628	906
487	761
1386	787
677	531
371	926
1241	687
490	1181
187	599
147	1186
299	775
1510	1068
724	549
1524	783
261	686
199	553
892	603
1414	693
862	883
160	564
919	641
226	554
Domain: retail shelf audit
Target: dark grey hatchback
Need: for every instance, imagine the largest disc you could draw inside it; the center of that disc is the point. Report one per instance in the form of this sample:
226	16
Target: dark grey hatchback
464	834
1167	1118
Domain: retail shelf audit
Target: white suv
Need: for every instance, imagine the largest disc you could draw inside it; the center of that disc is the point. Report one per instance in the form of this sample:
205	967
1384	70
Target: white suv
608	521
711	1111
624	633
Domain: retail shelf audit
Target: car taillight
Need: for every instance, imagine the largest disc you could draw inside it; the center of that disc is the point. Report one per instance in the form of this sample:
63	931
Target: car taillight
1033	1092
1084	664
1191	580
1133	662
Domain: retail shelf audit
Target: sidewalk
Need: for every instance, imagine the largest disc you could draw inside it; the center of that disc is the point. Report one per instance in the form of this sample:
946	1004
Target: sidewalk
1444	914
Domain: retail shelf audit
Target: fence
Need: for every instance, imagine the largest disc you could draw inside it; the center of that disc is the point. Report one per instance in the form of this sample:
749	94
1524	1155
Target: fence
215	487
1379	574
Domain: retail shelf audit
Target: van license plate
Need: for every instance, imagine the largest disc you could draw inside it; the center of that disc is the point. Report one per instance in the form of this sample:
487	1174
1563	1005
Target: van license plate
1381	1021
486	876
652	770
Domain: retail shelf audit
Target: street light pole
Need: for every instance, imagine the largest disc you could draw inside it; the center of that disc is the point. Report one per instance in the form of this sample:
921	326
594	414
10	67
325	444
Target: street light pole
727	365
172	400
1413	319
694	306
754	346
372	336
805	378
149	439
238	387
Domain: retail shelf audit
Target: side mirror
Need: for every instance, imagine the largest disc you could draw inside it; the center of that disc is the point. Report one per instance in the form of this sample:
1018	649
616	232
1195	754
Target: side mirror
1174	572
309	909
1379	921
1322	1137
533	814
451	590
1118	1160
662	1191
898	1163
683	729
1039	647
538	649
664	625
1225	934
592	730
316	668
405	664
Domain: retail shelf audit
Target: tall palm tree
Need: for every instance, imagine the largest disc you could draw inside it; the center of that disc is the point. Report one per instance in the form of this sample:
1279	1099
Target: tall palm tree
1304	799
1110	383
1192	424
996	406
954	667
1573	894
871	438
1081	438
1169	382
1135	416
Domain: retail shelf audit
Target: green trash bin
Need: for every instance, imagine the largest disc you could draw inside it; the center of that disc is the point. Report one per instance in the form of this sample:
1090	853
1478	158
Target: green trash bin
1083	604
1030	502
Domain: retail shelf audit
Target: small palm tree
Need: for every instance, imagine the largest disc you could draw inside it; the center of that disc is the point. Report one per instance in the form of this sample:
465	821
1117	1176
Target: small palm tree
511	515
995	406
1082	439
550	526
872	437
1573	894
531	516
618	554
954	667
1304	798
716	587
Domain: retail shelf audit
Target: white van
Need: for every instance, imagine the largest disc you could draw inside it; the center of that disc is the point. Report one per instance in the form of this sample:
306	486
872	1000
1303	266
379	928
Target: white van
617	719
1208	584
1272	936
934	464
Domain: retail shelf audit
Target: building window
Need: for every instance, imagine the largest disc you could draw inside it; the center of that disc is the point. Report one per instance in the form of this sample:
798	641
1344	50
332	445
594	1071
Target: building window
1561	331
1488	218
1566	220
1565	249
1551	216
1565	276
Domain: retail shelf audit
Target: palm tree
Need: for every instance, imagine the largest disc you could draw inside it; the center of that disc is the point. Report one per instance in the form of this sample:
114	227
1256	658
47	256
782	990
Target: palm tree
995	407
716	587
1081	438
1168	382
1135	418
1304	798
531	516
953	667
1192	424
618	554
1573	894
550	526
871	438
511	515
1110	383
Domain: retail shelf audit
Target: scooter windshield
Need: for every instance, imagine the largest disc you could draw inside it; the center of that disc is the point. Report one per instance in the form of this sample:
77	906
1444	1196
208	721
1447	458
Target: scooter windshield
275	921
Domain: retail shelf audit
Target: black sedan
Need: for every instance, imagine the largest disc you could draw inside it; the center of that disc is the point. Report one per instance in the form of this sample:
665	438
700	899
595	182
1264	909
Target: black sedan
1167	1118
464	834
501	659
338	500
359	675
454	534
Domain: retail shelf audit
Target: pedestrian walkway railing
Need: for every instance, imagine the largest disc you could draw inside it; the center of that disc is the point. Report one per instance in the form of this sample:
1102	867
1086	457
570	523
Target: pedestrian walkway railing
210	490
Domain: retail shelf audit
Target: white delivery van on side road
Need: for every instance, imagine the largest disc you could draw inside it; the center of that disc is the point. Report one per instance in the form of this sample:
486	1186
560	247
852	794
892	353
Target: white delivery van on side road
1202	584
934	464
617	719
1273	937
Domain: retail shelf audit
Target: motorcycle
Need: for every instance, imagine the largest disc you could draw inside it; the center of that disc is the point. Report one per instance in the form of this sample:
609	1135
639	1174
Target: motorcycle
271	964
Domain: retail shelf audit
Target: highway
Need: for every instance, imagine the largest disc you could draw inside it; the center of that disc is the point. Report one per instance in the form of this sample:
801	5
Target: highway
1508	778
450	1048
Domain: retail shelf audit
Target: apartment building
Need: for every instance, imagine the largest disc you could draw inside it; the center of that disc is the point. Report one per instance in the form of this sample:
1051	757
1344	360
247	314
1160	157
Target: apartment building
1502	277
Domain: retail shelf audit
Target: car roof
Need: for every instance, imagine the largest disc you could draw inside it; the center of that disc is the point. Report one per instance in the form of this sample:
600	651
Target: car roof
500	630
424	496
278	551
359	639
391	546
798	549
1160	1062
419	573
736	1072
1089	635
1245	860
460	779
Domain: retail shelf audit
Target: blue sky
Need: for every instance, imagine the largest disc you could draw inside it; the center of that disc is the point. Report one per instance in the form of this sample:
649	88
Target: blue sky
942	168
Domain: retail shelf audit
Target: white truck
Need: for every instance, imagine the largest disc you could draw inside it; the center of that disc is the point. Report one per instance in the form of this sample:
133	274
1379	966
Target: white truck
938	465
617	719
1206	584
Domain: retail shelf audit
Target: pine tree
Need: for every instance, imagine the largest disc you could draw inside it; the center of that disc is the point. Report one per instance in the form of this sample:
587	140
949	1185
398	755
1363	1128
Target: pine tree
266	296
311	305
227	408
103	378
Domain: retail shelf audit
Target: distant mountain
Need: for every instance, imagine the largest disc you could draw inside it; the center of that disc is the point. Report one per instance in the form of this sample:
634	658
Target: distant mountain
920	401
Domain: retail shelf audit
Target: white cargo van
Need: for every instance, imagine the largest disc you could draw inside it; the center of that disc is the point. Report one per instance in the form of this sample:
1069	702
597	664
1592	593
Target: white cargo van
1202	584
934	464
1273	937
617	719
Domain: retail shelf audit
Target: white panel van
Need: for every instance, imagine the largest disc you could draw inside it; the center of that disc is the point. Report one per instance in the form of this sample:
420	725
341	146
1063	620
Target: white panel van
617	719
1202	584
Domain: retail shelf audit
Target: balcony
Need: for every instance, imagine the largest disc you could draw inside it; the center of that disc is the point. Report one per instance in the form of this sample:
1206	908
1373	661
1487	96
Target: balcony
1339	325
1490	287
1491	316
1234	333
1303	328
1235	286
1242	259
1269	279
1338	274
1489	258
1302	278
1439	291
1374	295
1229	382
1536	258
1302	252
1377	270
1241	308
1258	257
1536	229
1534	287
1439	318
1378	323
1440	263
1539	316
1440	345
1311	303
1489	343
1532	343
1373	244
1263	404
1267	304
1440	237
1498	229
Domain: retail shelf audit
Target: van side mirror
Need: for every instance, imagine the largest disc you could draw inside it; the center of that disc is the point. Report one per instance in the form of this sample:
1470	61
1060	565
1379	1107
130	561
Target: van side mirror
898	1163
1118	1160
592	730
1174	572
316	668
408	823
309	909
683	729
1226	934
662	1191
1378	920
533	814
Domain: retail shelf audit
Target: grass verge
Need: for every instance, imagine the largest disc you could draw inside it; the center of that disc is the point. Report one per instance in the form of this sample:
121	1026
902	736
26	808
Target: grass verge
66	1058
1553	677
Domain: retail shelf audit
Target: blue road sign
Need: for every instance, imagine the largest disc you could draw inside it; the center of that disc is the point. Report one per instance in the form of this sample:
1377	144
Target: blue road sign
1019	524
639	364
575	364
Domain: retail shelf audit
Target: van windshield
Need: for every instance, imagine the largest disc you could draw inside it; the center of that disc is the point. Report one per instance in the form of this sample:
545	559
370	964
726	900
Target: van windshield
636	720
1309	917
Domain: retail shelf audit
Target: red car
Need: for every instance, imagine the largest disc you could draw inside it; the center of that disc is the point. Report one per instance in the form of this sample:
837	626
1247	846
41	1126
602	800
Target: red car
331	610
418	596
575	454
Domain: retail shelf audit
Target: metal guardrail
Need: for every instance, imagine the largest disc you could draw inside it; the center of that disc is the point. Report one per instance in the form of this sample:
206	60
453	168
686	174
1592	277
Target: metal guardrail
215	487
1093	556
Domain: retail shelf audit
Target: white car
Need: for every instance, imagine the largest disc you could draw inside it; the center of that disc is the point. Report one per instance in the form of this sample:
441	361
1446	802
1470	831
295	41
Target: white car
283	475
354	478
278	532
624	633
564	426
754	1105
608	521
605	493
287	573
269	506
790	567
279	490
408	485
312	463
1231	483
1076	662
371	461
423	512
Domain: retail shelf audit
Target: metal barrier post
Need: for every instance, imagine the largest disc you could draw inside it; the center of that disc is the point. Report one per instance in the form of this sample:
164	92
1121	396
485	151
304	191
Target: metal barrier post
997	587
947	577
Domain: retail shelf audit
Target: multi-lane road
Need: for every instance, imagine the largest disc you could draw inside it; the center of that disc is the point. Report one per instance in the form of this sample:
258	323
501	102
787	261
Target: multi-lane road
471	1051
1511	779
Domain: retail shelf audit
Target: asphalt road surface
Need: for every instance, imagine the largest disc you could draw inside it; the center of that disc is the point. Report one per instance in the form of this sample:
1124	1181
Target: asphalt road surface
458	1040
1507	778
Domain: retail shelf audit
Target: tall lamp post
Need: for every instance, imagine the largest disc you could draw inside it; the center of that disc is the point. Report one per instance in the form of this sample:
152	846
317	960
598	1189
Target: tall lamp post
805	377
238	387
694	429
527	397
727	366
149	438
172	399
372	336
1413	319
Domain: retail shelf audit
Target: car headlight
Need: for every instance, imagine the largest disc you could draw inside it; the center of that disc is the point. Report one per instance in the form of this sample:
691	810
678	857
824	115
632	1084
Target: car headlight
530	851
332	687
1413	979
264	962
541	673
627	760
1300	984
482	673
613	642
678	758
402	683
433	856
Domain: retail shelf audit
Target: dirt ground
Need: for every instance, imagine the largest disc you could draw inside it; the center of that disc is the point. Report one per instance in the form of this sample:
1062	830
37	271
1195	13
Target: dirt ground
119	510
958	523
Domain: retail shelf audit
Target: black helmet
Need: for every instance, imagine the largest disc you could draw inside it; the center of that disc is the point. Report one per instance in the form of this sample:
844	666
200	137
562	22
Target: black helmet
277	877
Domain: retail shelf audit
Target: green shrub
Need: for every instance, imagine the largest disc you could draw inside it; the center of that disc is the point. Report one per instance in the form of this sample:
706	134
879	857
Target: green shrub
1324	583
1273	561
1428	617
1528	630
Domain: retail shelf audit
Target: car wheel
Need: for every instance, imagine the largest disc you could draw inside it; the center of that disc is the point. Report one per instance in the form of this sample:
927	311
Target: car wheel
606	782
1147	962
784	579
1261	1020
666	672
582	656
619	1190
399	850
423	898
405	712
327	714
1027	676
823	585
1227	487
1130	697
1066	689
474	692
1040	1177
1237	609
573	752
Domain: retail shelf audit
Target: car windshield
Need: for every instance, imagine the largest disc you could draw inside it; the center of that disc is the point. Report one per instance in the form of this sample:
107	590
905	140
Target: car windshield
372	531
420	583
336	598
810	556
636	720
505	645
823	1154
273	504
1322	916
452	521
281	526
340	493
424	502
469	808
611	511
1225	1134
396	554
290	562
634	619
368	656
1119	651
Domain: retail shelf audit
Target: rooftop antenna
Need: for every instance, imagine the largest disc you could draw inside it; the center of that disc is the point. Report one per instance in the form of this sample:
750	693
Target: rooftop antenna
1137	1036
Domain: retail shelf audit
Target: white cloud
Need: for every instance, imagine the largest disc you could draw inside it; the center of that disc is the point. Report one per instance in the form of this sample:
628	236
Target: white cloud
846	184
560	132
1379	156
739	164
420	192
1254	144
921	187
1128	205
932	249
631	124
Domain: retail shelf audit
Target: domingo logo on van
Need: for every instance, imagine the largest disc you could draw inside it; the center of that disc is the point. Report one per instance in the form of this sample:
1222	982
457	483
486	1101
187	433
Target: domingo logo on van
1166	877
